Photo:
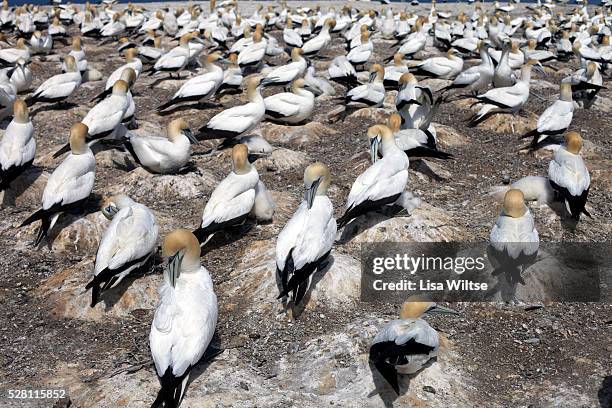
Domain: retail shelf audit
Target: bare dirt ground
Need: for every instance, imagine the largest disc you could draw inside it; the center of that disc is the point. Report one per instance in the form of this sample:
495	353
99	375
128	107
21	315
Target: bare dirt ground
557	355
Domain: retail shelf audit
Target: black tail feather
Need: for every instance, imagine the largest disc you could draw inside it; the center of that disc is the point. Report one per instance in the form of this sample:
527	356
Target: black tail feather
62	150
171	391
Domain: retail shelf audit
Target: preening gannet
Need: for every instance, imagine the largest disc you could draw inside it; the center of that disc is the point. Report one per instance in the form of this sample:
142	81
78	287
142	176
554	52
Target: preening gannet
415	142
514	240
185	318
21	76
383	182
127	244
17	147
554	120
232	200
291	107
201	87
405	345
163	154
239	119
569	176
342	71
476	78
306	240
413	101
58	87
69	185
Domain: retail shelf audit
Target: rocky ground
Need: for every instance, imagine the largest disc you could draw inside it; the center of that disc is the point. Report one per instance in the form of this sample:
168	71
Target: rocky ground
493	355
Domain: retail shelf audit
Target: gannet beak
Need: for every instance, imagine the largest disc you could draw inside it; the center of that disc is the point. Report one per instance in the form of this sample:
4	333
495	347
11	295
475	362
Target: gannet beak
198	39
254	156
174	268
372	76
189	134
443	310
312	192
109	211
538	67
374	142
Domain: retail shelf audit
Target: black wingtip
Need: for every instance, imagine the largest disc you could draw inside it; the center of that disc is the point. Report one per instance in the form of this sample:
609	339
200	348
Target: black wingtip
62	150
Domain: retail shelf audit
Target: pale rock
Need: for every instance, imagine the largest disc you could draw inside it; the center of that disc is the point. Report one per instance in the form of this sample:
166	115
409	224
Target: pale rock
64	293
602	103
283	160
297	136
435	83
373	115
447	137
542	84
503	122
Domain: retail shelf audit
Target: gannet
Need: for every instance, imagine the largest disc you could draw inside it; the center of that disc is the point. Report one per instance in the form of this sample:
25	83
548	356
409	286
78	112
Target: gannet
554	120
415	41
17	147
415	142
201	87
383	182
503	75
151	53
476	78
232	77
290	36
320	42
405	345
163	154
21	76
542	56
9	56
317	84
176	59
233	199
514	240
395	71
58	87
516	57
70	184
413	101
569	176
291	107
132	61
239	119
585	82
306	240
446	67
253	54
361	53
582	51
126	245
41	43
104	117
504	100
185	318
370	94
342	71
285	74
78	54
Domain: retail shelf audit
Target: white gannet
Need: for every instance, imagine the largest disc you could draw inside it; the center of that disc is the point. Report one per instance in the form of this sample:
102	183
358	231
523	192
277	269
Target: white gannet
503	75
514	239
342	71
290	36
360	54
163	154
150	54
446	67
415	142
285	74
383	182
586	83
58	87
41	43
415	41
405	345
132	61
371	94
394	72
252	55
316	84
303	245
569	176
516	57
175	60
8	56
104	117
321	41
199	88
291	107
476	78
232	77
232	200
234	121
21	76
78	54
504	100
126	245
554	120
69	185
17	147
413	101
185	318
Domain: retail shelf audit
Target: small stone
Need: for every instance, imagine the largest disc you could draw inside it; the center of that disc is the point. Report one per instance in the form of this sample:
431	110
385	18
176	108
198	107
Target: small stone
533	340
429	389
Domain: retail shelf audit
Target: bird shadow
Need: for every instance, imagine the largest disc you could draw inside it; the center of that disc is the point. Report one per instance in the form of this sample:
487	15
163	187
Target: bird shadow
604	395
211	352
53	107
371	219
21	184
190	106
228	236
384	390
317	276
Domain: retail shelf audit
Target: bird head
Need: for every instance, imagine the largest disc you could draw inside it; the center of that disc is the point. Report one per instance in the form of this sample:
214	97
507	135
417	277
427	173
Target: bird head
182	251
573	142
240	159
317	179
514	203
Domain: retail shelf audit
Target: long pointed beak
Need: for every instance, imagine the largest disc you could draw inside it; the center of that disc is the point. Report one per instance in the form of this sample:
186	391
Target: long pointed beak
312	192
189	134
372	76
174	268
374	142
443	310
